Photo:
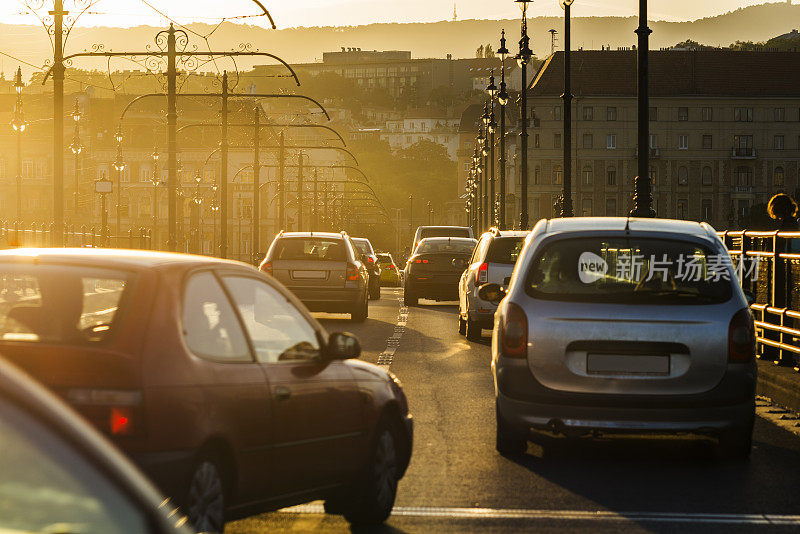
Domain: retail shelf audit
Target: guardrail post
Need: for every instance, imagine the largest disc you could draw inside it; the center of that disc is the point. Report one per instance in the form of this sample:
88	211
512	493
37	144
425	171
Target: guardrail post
778	287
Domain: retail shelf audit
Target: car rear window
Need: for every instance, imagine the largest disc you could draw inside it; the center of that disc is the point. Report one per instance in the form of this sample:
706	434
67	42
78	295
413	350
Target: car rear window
384	258
630	270
60	304
505	250
363	247
444	232
310	249
445	246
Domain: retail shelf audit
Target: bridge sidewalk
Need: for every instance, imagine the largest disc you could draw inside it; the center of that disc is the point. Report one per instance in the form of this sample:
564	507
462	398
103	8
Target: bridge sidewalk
781	384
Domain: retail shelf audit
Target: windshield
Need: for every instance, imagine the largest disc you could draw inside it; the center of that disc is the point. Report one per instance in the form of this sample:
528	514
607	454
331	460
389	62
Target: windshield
505	250
630	270
310	249
59	304
363	246
444	232
445	246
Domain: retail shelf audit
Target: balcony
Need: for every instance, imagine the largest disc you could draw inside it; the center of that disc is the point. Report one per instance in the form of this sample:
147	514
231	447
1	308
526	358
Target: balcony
655	152
743	189
743	153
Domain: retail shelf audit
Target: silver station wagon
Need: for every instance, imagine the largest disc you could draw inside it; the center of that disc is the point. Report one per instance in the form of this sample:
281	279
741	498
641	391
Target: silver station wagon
623	325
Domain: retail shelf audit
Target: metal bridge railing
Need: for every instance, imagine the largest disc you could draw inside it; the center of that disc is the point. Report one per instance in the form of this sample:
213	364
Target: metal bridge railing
39	235
775	284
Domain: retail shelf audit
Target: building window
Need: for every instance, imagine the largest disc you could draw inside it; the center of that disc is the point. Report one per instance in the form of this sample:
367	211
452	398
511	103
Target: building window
707	114
587	176
653	113
557	175
681	212
28	169
653	140
743	114
707	142
777	142
588	113
744	176
705	210
611	177
777	177
611	207
683	175
557	113
708	175
586	207
557	140
587	140
653	176
780	114
683	114
537	173
611	113
537	141
683	142
611	141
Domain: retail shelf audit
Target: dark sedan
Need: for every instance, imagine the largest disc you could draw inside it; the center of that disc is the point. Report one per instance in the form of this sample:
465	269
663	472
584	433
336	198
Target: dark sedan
434	269
212	377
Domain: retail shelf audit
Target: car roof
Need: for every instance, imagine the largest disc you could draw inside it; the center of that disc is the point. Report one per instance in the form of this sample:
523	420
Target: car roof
311	234
360	239
459	227
620	224
509	233
109	257
445	238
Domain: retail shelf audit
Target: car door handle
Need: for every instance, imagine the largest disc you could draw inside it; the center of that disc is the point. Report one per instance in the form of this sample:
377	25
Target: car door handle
282	393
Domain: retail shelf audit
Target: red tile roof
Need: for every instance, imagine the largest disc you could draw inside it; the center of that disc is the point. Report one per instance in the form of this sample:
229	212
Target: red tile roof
713	73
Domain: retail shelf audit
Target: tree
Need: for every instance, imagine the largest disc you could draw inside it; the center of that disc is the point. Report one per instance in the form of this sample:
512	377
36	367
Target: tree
488	51
479	51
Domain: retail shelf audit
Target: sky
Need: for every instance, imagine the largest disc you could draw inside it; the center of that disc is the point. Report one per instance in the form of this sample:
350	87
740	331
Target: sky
291	13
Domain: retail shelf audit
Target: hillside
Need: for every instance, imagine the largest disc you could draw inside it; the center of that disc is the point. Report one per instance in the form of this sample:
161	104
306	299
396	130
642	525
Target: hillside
756	23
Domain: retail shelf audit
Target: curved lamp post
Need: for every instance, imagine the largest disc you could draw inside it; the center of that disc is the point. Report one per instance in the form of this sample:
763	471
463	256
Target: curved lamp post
502	99
523	59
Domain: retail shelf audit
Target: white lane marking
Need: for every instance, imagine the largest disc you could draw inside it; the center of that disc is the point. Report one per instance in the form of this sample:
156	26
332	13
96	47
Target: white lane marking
572	515
386	357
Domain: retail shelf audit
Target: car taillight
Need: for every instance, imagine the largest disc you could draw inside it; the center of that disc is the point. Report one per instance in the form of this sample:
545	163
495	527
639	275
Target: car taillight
117	412
392	267
370	260
266	268
421	261
514	332
352	273
741	337
482	276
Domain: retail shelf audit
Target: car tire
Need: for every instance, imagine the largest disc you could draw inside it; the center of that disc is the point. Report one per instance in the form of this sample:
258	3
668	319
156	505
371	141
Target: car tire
462	326
204	503
375	291
510	440
735	443
409	298
360	315
473	330
373	495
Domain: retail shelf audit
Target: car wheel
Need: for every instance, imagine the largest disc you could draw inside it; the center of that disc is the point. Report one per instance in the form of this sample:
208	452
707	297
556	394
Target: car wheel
462	326
735	443
205	499
409	298
375	291
473	330
511	440
374	494
361	314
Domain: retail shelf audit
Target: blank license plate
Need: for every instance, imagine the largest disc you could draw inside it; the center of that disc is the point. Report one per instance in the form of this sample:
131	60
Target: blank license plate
309	275
627	364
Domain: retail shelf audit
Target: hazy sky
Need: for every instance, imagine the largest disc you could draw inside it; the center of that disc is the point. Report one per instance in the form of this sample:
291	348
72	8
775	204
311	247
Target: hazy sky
288	13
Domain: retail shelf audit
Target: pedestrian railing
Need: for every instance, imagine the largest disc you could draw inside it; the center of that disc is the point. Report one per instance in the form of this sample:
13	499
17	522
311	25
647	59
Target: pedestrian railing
774	282
38	235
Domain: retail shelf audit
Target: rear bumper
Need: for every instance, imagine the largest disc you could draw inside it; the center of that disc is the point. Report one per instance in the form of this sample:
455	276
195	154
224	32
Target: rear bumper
323	299
481	311
525	402
442	289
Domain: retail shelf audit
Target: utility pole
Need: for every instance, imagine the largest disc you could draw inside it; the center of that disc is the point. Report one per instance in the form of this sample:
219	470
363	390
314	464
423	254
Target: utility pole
58	121
315	205
281	181
224	201
256	183
300	193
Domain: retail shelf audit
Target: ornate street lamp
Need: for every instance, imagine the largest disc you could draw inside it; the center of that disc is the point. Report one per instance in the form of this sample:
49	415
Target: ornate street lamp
119	166
492	128
565	201
642	198
523	59
155	179
18	124
76	147
502	99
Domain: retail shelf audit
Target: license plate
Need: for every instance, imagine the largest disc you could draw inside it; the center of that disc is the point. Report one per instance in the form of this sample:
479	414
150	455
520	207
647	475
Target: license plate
309	275
627	364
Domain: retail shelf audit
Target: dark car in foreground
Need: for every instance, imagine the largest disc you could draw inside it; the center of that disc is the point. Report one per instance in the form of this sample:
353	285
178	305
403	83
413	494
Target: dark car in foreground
212	377
435	268
324	270
615	325
58	474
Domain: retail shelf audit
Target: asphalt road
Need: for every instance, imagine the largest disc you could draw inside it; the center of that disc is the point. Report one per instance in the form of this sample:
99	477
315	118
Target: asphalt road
458	483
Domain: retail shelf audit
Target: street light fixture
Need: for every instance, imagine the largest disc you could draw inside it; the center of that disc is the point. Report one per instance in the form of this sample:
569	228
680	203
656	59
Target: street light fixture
18	124
76	147
119	166
523	59
156	181
502	99
566	193
642	198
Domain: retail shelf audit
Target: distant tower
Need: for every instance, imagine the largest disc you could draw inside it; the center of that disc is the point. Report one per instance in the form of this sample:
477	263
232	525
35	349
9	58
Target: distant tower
553	34
455	12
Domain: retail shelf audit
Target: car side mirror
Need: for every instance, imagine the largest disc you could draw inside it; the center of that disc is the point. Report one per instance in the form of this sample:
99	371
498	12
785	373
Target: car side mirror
750	297
343	346
493	293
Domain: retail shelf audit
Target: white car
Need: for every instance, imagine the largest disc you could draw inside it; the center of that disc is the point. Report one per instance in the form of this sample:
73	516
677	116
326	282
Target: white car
492	262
